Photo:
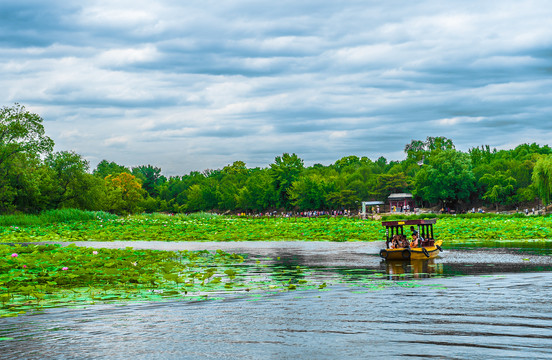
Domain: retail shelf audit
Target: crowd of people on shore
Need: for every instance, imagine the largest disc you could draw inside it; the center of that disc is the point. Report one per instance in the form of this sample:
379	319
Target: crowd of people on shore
306	214
374	210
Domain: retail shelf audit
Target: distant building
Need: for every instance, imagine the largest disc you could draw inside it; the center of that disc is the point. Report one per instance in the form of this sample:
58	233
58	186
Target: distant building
370	204
400	201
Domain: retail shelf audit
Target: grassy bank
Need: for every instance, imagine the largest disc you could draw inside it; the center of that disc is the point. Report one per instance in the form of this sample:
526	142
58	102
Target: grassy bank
54	216
204	227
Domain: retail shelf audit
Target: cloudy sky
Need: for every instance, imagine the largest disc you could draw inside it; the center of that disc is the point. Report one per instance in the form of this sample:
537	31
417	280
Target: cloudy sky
193	85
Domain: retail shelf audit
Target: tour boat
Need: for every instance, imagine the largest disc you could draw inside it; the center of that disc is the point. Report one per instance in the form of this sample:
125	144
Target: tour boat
394	230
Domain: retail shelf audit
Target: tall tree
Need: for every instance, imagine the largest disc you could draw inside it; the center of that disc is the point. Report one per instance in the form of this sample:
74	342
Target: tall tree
151	178
481	156
310	192
417	149
70	177
447	179
24	185
542	178
347	163
22	137
21	132
105	168
124	193
345	199
258	193
284	171
500	188
387	184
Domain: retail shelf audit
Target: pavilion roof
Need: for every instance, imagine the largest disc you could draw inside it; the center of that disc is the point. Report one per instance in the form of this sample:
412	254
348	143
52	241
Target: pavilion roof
397	196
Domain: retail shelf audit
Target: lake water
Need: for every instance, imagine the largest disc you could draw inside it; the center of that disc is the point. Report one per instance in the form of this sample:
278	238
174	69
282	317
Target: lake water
479	304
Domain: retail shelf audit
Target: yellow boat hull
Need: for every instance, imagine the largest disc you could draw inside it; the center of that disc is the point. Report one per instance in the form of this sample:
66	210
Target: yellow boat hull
418	253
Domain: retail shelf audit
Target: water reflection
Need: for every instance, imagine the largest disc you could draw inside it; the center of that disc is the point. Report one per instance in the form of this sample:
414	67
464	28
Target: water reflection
503	314
474	317
417	269
456	262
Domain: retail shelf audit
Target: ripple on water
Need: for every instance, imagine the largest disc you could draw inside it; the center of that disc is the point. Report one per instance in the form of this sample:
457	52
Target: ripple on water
506	316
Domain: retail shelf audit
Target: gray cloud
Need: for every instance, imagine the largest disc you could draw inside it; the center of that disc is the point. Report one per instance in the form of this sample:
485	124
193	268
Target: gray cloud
194	85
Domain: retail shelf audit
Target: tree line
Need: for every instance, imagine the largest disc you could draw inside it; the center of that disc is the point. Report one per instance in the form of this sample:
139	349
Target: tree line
34	178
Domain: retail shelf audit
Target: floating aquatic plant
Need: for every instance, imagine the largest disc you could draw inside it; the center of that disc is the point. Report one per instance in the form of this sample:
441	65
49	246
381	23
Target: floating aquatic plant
221	228
51	272
71	275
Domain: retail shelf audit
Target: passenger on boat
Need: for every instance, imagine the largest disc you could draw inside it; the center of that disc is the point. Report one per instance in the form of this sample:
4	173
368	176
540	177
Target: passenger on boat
415	240
394	242
398	241
403	241
416	237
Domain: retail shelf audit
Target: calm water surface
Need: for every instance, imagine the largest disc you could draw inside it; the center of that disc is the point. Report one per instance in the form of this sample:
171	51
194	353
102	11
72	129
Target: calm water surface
465	305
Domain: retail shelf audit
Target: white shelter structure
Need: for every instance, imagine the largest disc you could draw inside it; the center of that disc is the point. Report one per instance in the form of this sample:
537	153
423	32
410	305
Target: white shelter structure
369	203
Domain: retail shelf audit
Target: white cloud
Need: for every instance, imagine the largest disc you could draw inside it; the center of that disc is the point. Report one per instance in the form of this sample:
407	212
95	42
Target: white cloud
194	85
117	141
129	56
458	120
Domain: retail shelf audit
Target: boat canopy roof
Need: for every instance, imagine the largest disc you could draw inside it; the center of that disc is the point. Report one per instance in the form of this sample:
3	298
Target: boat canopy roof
409	222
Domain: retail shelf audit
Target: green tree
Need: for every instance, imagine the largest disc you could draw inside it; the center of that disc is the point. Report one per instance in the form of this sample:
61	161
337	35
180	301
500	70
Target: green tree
194	199
284	171
258	192
381	164
230	180
21	132
481	156
310	192
344	199
151	178
70	178
237	168
105	168
22	139
417	149
542	178
500	188
124	193
347	163
447	179
387	184
361	181
24	185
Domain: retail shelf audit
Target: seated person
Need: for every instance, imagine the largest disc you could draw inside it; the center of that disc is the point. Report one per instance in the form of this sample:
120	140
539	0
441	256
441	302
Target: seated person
394	242
415	241
404	241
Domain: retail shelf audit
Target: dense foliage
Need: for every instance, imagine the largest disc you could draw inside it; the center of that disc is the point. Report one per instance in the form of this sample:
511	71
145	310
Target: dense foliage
197	227
35	179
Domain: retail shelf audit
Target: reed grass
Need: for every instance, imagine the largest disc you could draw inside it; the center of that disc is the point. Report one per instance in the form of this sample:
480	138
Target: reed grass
166	216
54	216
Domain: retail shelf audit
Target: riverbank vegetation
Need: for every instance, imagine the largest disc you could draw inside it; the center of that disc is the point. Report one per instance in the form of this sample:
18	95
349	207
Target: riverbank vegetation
37	277
34	178
207	227
49	275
